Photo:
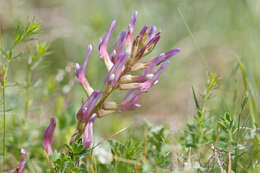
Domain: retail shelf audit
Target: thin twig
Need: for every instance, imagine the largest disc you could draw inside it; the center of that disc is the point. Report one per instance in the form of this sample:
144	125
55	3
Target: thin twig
4	128
229	163
217	158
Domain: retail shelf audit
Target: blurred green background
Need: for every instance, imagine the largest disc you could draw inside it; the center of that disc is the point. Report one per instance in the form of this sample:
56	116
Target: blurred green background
222	32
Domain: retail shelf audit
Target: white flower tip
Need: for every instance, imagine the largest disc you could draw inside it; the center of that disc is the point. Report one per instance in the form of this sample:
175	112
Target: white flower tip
114	53
149	76
162	54
113	22
112	77
23	151
90	47
77	66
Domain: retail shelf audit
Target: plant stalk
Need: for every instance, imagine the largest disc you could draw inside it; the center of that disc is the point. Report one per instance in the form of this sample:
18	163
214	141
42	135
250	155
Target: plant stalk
4	125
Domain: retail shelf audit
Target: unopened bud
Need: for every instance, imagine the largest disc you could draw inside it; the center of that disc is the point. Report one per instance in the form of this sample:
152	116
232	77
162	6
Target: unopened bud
137	67
126	78
129	86
103	112
110	106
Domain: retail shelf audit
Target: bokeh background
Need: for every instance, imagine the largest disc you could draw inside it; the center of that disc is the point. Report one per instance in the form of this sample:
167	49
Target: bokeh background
212	36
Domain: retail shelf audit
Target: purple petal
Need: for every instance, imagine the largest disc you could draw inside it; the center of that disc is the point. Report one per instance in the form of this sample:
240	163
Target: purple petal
80	71
88	106
143	31
164	56
48	136
88	132
130	100
104	43
118	47
151	32
115	72
149	83
130	34
22	163
154	62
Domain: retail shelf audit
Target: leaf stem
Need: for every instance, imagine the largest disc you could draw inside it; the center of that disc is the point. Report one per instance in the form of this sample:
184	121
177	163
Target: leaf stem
4	125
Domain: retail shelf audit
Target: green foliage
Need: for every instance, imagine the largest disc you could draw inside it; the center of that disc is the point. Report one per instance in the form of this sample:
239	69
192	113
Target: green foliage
25	33
149	150
220	142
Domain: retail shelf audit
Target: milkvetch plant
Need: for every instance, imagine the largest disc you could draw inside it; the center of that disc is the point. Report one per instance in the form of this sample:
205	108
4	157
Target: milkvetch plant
122	62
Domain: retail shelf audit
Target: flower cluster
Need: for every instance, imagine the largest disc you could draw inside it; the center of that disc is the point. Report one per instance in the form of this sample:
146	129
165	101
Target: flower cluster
122	63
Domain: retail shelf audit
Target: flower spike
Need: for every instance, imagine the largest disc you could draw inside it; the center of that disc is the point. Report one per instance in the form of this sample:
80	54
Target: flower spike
121	62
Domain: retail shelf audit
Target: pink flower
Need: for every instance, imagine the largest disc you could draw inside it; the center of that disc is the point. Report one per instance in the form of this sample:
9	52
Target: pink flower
115	72
88	132
86	109
22	164
130	100
80	73
48	136
104	45
130	34
153	80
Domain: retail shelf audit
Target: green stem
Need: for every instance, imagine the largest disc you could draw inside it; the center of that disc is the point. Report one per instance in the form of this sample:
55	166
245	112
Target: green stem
4	149
27	93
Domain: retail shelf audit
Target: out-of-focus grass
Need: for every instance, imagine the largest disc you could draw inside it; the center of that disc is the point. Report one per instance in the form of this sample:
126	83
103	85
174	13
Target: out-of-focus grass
224	31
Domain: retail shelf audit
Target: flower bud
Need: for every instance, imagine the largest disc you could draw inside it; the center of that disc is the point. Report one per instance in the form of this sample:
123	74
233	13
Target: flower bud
88	132
130	100
103	112
129	86
130	34
115	72
138	66
110	105
80	72
48	136
127	78
103	46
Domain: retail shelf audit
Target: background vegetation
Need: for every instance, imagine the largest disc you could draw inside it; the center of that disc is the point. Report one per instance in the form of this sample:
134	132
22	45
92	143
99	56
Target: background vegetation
210	128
